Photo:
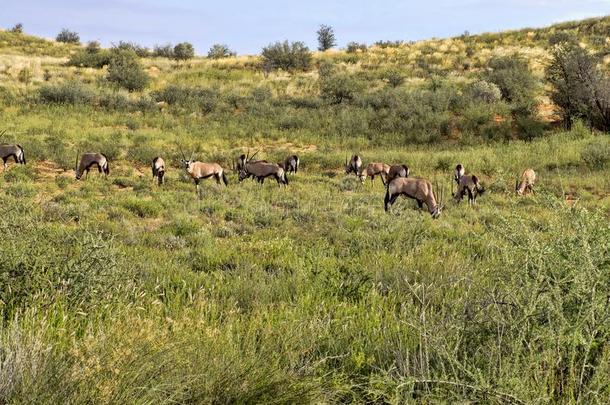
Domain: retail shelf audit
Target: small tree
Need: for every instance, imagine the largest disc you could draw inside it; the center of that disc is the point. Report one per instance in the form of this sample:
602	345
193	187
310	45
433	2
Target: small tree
326	38
164	51
393	77
183	51
287	56
68	36
219	51
17	29
579	87
93	47
516	82
125	70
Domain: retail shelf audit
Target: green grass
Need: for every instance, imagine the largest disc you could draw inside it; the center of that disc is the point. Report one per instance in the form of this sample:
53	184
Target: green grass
120	291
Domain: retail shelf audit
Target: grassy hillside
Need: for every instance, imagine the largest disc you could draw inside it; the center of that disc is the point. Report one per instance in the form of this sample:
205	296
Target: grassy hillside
119	291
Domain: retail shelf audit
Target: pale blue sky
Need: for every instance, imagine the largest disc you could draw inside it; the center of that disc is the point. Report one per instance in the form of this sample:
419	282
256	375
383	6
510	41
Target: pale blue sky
247	26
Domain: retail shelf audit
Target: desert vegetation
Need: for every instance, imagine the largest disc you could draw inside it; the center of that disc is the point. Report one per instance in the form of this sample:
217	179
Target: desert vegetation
120	290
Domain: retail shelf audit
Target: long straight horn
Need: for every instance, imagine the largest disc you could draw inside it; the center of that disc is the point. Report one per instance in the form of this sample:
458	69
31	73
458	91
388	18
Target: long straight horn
255	153
76	163
181	152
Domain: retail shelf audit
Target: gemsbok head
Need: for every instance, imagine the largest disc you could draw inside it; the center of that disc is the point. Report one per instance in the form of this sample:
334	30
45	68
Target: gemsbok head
158	169
354	165
528	178
468	184
418	189
397	171
15	151
260	170
200	170
375	169
90	159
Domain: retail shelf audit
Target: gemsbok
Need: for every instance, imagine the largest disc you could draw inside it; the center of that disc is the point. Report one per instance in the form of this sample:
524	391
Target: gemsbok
158	169
88	160
528	178
14	151
468	184
354	165
200	170
290	164
418	189
397	171
457	173
375	169
260	170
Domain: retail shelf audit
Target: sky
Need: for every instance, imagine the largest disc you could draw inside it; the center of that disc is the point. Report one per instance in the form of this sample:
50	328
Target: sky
247	26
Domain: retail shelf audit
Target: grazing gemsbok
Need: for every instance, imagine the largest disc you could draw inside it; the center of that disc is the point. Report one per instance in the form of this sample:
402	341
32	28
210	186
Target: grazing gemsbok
158	169
458	172
468	184
418	189
375	169
261	170
199	170
90	159
241	163
16	151
397	171
528	178
290	164
354	165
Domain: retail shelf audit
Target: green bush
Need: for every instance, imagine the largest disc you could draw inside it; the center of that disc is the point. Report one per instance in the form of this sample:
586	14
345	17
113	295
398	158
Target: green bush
353	47
67	36
71	92
139	50
485	92
220	51
184	51
596	154
513	77
125	70
287	56
163	51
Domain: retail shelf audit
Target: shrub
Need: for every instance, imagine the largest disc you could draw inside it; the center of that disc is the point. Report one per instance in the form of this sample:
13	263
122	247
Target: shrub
183	51
529	128
17	29
219	51
68	36
579	87
139	50
485	92
125	70
92	56
188	97
287	56
514	79
393	77
596	154
114	101
163	51
71	92
326	38
339	87
388	44
353	47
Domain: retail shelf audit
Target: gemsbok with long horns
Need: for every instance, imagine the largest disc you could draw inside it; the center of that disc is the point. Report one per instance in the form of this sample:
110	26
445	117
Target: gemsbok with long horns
354	165
468	184
375	169
90	159
200	170
528	178
15	151
397	171
418	189
260	170
158	169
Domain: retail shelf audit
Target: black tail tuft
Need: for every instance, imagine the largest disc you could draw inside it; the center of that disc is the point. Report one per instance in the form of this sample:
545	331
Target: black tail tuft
224	178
